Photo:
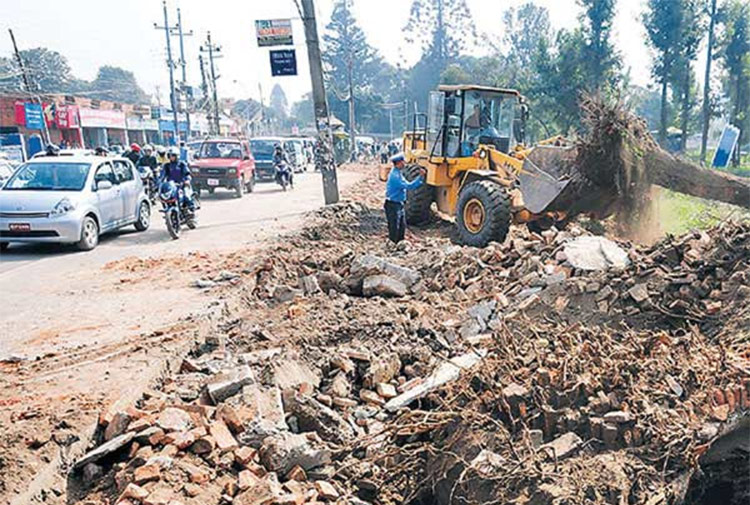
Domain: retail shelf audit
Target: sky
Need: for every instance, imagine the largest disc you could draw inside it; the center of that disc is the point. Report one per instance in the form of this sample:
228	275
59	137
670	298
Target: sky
91	34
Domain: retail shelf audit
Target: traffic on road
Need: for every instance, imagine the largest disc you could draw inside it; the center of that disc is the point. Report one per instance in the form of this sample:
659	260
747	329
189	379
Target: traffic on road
72	196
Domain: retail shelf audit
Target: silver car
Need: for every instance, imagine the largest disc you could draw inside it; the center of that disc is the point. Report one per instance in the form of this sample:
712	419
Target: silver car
71	199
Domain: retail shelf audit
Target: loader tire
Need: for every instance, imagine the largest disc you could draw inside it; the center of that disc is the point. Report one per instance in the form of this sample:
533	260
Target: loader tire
418	201
482	214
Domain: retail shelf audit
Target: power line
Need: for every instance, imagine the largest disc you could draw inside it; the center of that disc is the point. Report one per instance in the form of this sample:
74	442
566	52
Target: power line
210	48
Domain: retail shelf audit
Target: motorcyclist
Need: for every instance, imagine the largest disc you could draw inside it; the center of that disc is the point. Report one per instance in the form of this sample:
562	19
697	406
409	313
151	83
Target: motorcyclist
148	160
280	162
161	155
177	171
134	154
101	151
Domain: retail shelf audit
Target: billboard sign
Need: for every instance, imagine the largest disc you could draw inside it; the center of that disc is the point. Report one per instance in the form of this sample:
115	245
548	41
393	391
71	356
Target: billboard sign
283	62
724	150
274	32
34	116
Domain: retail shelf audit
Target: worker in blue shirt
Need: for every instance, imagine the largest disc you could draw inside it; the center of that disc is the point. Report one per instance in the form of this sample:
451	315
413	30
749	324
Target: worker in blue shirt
395	196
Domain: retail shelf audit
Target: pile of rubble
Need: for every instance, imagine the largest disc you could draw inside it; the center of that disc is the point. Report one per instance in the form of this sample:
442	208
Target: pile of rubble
553	368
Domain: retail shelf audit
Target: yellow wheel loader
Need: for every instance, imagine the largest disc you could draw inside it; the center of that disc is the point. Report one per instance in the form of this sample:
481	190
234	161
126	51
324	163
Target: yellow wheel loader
478	169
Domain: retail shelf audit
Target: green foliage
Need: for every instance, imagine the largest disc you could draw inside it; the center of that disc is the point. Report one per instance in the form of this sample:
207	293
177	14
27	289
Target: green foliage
602	61
348	55
48	71
735	54
117	85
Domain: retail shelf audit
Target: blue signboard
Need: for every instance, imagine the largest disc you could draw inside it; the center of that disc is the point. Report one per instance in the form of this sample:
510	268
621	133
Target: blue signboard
167	125
283	62
34	116
727	142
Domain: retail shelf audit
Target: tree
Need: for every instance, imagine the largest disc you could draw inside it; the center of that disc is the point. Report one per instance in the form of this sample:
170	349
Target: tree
707	80
525	28
602	61
662	21
692	28
735	54
117	85
352	65
442	30
279	104
48	71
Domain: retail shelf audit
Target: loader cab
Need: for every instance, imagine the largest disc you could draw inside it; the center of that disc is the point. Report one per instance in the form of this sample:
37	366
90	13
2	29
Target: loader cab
460	118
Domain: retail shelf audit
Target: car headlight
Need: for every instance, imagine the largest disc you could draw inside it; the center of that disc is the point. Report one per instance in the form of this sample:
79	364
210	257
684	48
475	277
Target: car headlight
63	207
231	171
195	170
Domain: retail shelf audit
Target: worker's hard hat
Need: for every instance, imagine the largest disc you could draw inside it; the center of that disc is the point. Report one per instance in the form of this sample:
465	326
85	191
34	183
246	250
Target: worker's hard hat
397	158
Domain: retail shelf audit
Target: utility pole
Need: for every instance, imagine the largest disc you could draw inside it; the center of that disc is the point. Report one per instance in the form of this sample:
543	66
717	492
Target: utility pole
210	48
352	132
183	64
27	84
707	83
262	110
322	119
170	65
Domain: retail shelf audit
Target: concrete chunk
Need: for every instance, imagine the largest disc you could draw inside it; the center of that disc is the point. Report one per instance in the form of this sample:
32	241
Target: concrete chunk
382	285
444	374
229	383
105	449
563	446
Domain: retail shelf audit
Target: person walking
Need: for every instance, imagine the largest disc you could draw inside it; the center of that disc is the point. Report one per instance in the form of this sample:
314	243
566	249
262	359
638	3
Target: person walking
395	197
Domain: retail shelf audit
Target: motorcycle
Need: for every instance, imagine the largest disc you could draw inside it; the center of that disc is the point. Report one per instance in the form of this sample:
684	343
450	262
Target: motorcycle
149	183
175	207
284	175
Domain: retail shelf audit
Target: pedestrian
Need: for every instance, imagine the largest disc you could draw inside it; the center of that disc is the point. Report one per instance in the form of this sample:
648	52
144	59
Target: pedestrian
395	196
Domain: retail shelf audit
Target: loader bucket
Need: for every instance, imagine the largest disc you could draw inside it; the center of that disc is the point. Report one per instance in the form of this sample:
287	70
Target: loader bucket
543	177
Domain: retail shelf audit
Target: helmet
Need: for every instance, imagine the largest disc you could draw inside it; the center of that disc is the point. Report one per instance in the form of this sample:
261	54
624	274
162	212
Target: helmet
148	147
161	150
101	150
53	150
398	157
173	151
135	147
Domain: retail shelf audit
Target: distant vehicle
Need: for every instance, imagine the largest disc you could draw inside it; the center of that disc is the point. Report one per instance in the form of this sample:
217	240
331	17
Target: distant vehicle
71	199
262	148
295	151
67	152
223	163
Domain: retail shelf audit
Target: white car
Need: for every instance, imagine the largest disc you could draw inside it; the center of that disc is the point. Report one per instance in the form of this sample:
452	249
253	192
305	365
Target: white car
71	199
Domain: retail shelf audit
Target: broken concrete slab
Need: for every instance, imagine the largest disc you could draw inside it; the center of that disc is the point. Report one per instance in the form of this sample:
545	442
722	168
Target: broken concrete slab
563	446
447	372
283	294
368	264
229	383
105	449
595	253
382	285
314	416
282	452
290	373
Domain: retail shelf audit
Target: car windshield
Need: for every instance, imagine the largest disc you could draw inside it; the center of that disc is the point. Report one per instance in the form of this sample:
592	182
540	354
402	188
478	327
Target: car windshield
228	150
262	147
50	176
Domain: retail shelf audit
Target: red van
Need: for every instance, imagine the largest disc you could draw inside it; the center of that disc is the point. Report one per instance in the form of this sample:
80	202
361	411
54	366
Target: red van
223	163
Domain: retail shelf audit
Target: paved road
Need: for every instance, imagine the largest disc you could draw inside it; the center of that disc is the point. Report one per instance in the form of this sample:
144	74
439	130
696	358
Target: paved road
55	297
224	222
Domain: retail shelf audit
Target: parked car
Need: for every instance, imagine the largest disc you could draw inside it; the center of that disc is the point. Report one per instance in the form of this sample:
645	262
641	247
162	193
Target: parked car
295	149
223	163
71	199
262	148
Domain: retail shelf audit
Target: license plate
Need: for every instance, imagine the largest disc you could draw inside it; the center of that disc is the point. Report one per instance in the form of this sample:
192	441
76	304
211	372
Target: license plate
213	182
19	227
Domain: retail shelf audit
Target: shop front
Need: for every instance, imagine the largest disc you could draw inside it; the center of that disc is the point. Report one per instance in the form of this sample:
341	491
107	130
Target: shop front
67	126
167	131
103	127
142	130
